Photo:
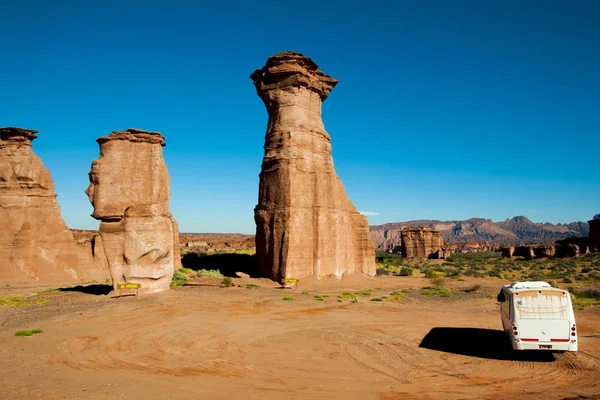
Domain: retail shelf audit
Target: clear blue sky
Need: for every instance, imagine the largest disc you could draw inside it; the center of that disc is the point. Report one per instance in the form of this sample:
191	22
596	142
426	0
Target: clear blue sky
444	110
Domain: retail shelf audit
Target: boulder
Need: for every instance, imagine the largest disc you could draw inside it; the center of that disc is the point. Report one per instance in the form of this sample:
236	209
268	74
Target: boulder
422	242
129	189
35	243
305	223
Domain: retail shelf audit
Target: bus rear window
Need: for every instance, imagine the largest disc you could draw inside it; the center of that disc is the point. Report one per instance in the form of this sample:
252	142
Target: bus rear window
536	304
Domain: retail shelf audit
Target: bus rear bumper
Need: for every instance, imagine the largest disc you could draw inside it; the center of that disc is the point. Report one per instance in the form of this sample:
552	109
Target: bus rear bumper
570	345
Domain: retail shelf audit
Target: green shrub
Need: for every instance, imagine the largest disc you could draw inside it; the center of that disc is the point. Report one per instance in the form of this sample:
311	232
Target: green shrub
252	286
304	292
406	271
226	282
473	289
28	333
348	295
494	273
433	274
319	298
288	298
214	273
364	293
376	299
436	292
437	282
179	278
396	298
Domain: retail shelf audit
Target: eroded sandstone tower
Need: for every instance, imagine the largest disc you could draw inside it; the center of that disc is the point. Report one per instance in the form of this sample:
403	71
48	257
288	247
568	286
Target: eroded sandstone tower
130	189
35	243
305	223
421	242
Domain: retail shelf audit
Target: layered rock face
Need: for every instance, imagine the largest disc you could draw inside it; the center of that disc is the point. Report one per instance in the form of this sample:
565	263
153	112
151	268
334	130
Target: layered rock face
305	223
35	243
422	242
130	189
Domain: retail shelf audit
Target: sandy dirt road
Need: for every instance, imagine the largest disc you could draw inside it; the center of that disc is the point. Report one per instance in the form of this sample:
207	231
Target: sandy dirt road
214	343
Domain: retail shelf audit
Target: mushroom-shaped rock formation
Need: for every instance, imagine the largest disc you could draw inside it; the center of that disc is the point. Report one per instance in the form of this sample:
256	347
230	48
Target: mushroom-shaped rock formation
129	189
35	243
305	223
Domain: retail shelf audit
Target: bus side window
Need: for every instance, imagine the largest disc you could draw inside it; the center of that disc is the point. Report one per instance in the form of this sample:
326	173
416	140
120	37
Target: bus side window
501	298
505	305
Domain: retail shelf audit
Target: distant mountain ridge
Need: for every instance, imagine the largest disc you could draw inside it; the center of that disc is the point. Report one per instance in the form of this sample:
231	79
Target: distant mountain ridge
518	230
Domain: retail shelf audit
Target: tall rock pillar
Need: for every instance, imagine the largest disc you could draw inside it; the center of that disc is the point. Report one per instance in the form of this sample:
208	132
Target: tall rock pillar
130	190
35	243
305	223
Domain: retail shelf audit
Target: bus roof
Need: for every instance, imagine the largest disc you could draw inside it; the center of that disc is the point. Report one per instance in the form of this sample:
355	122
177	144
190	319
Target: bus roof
527	285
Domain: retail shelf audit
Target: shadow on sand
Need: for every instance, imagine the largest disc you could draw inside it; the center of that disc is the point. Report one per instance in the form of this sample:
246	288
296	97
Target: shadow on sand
98	290
482	343
227	263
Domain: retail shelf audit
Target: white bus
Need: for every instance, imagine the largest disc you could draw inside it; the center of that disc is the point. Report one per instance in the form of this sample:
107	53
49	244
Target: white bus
536	316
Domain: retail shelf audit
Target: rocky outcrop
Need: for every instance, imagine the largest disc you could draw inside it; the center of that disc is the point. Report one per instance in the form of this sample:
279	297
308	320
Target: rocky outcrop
35	243
422	242
507	252
469	247
535	251
305	223
595	233
130	189
566	250
544	250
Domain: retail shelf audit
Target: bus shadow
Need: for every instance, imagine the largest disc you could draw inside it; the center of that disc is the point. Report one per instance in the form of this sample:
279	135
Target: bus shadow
478	342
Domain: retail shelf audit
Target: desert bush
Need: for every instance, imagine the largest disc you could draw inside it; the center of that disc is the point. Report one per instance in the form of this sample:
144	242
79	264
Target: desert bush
226	282
382	271
436	292
433	274
252	286
213	273
586	270
28	333
288	298
437	282
474	273
319	298
376	299
179	278
363	293
395	298
348	295
406	271
473	289
494	273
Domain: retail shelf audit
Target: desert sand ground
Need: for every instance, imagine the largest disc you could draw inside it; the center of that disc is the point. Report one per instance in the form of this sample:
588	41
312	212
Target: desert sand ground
206	342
